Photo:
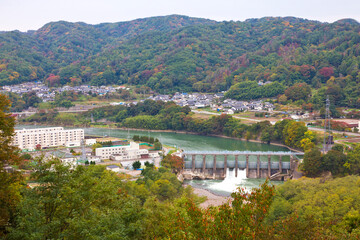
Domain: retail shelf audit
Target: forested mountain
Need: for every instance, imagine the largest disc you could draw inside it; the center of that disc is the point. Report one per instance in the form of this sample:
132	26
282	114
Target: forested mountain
180	53
35	55
65	41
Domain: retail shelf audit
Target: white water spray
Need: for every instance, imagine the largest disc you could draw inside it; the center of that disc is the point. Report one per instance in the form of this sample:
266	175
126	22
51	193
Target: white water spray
230	183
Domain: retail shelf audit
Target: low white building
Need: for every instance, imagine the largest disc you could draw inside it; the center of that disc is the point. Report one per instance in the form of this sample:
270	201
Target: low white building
94	159
120	153
90	141
230	111
47	137
113	168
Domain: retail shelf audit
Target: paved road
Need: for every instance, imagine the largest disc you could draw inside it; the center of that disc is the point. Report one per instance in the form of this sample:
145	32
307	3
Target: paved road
346	133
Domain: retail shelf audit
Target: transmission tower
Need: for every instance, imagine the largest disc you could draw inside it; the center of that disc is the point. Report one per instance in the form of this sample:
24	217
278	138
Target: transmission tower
327	127
83	152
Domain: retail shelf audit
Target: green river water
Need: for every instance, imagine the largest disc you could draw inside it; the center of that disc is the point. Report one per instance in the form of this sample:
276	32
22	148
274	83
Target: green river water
199	143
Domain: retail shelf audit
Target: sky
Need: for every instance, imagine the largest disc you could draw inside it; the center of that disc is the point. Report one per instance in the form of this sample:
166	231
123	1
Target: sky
26	15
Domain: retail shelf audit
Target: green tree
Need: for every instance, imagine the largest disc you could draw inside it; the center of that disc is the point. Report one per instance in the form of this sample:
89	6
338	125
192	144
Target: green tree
86	202
95	146
31	99
331	207
121	116
353	160
266	135
163	189
312	163
338	147
136	138
136	164
9	182
149	165
299	91
242	219
157	146
17	103
293	133
334	161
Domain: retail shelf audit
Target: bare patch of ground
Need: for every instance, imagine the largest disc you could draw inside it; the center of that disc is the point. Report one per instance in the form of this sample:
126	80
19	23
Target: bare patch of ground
212	199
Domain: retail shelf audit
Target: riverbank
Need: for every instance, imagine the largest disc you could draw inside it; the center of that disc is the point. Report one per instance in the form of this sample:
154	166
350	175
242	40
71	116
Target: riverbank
212	199
190	142
176	131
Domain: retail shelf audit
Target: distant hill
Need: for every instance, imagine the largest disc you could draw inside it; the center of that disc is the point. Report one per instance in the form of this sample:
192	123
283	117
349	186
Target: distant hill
81	39
180	53
35	54
347	21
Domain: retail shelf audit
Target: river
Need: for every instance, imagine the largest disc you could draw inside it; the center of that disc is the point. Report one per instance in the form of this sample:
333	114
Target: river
199	143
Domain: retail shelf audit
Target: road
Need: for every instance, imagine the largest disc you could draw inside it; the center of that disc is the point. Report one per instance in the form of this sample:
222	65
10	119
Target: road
65	111
257	120
334	131
217	114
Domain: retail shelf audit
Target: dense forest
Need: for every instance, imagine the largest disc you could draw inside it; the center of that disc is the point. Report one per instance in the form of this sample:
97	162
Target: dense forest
179	53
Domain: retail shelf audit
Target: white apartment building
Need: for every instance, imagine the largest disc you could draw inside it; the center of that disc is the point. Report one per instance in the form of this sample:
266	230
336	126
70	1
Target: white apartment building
47	137
120	153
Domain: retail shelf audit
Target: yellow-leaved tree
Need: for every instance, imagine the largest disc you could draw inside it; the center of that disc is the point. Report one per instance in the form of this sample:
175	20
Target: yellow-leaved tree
9	180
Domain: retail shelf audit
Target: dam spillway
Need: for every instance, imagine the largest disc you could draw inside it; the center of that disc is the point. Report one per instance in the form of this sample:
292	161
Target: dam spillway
215	169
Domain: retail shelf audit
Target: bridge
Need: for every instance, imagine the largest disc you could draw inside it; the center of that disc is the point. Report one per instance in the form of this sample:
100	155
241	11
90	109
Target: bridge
215	168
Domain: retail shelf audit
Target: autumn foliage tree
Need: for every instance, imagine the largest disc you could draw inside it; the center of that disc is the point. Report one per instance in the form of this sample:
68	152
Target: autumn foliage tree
241	218
53	80
9	181
326	72
293	133
174	162
299	91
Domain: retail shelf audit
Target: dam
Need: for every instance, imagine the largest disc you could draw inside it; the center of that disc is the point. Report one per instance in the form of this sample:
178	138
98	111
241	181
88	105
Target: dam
215	169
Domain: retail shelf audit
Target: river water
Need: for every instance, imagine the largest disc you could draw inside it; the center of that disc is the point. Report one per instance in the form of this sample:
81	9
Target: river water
200	143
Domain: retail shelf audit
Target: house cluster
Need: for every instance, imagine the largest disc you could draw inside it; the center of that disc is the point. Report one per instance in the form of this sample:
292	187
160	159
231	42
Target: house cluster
240	106
193	100
84	89
48	94
197	100
41	90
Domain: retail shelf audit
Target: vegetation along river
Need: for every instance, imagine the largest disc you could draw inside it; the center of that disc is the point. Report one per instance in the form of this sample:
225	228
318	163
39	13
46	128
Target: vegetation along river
200	143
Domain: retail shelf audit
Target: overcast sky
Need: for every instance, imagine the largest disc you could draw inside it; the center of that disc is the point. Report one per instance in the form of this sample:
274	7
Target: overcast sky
26	15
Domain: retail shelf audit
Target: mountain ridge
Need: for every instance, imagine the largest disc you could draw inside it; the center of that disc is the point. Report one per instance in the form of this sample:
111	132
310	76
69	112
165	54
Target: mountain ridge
180	53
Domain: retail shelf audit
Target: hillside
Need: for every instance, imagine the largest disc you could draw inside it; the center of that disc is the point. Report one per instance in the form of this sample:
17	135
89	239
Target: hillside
36	54
66	41
178	53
